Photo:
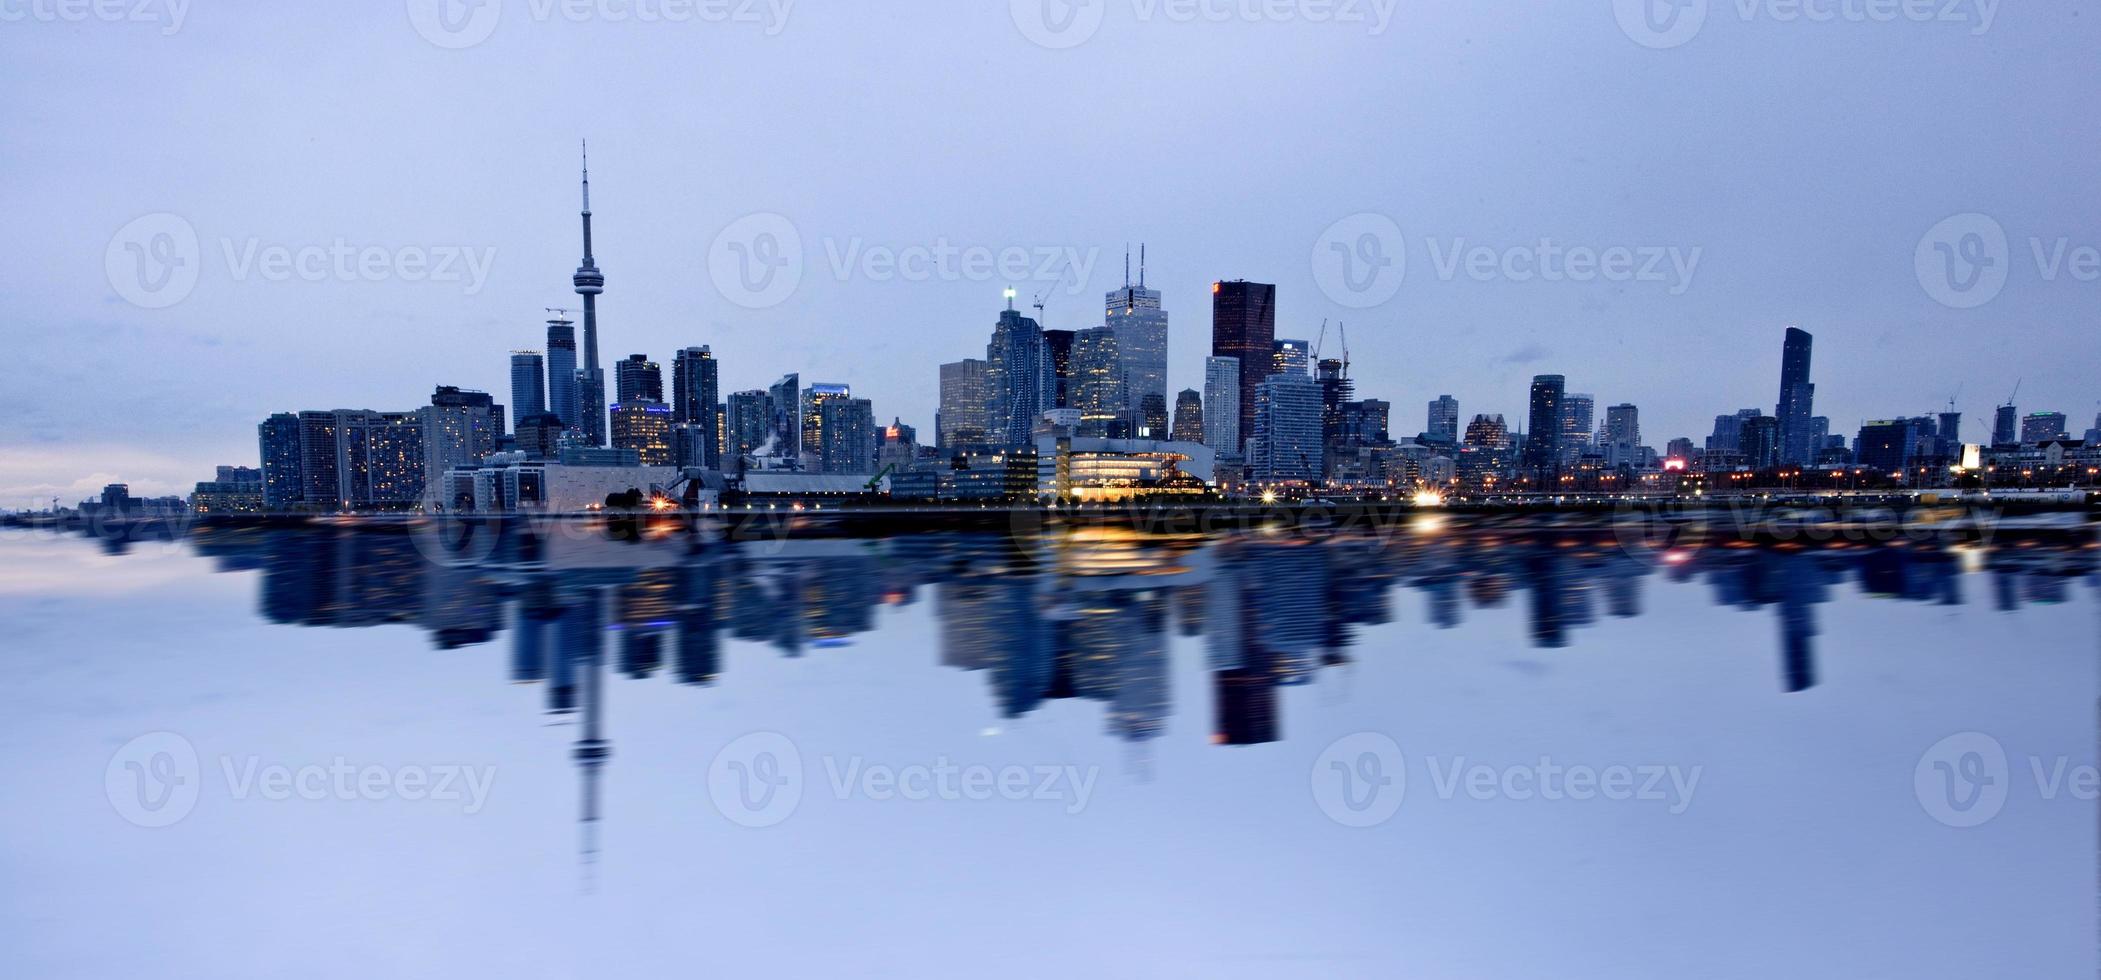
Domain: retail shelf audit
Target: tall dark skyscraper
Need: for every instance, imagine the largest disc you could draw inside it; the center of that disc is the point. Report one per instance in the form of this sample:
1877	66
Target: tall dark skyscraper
2003	423
696	400
1019	374
590	381
1543	435
1059	343
638	378
1796	397
561	372
1244	326
528	384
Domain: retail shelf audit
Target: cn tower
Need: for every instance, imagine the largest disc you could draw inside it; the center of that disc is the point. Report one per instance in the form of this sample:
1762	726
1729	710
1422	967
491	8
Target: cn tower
590	382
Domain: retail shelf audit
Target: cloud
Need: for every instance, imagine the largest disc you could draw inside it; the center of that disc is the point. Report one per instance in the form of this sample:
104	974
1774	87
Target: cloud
1525	355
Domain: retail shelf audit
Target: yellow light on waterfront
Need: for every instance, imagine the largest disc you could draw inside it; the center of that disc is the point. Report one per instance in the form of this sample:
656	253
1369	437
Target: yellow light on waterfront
1428	498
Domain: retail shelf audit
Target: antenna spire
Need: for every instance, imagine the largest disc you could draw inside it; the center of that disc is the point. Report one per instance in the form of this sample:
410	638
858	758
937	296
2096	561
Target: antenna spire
587	175
1127	265
1141	265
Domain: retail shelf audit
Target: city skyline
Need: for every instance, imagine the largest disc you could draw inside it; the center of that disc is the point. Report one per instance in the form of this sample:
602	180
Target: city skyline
1835	255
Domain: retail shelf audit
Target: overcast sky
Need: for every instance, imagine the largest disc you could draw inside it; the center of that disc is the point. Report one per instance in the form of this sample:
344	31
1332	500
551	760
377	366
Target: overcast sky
1705	176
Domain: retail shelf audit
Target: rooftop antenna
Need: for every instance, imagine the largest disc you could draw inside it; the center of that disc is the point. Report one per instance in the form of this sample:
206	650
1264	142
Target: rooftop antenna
1141	265
1127	265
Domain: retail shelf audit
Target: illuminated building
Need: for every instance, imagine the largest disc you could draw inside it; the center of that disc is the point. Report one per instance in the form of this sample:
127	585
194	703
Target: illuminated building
2042	427
1291	357
1543	438
1797	396
1097	382
278	439
748	424
1089	469
1286	445
964	418
1019	375
1222	405
813	401
636	378
696	402
645	427
1189	416
846	436
1444	419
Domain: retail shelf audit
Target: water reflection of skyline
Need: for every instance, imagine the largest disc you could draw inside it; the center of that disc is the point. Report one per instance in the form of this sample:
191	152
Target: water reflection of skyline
1086	616
1082	617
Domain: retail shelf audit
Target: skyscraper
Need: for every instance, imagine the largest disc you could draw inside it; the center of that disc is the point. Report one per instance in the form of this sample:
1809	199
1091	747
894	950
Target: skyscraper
847	435
1337	391
1444	419
1578	414
460	428
965	405
1152	418
1759	441
278	439
1222	405
1018	372
528	384
1488	432
813	401
1244	327
2003	432
561	373
695	401
1543	441
2042	427
786	398
1797	396
1293	356
1622	435
1287	440
1134	314
644	426
1059	344
1189	416
590	381
748	424
1097	382
637	378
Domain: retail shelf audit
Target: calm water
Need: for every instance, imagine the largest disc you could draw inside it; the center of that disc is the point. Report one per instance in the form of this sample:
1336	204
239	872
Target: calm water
1440	752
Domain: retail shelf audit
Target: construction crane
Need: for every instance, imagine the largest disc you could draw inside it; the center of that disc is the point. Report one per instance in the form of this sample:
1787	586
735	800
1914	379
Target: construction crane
1038	304
559	312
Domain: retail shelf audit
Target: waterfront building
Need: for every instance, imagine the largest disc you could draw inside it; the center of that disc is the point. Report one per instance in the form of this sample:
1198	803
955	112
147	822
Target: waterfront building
2041	427
1286	445
277	438
785	397
1084	468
